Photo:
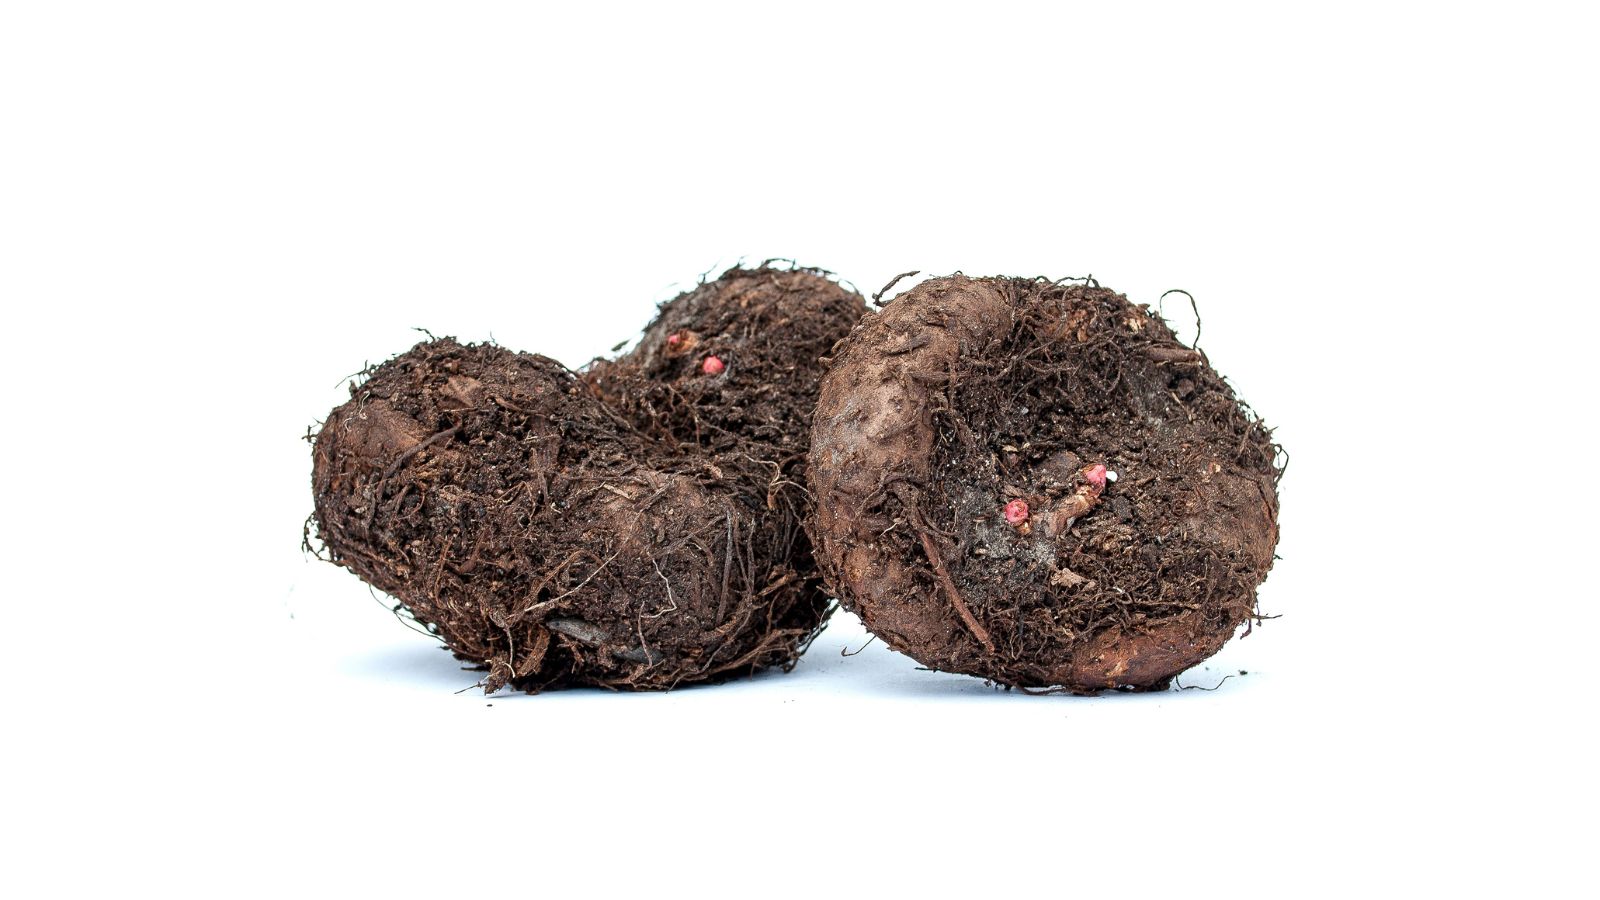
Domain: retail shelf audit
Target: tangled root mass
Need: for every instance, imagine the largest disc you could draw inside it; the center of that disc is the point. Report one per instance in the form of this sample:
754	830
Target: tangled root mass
634	526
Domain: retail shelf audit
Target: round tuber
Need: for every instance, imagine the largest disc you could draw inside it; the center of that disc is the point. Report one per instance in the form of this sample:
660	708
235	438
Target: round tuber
1035	483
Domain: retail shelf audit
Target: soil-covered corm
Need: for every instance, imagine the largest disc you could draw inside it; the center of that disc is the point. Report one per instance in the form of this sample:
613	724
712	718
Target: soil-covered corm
1036	483
636	525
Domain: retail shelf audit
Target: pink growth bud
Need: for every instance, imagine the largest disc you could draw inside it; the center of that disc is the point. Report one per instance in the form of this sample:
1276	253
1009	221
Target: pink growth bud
1096	475
674	339
1017	512
712	366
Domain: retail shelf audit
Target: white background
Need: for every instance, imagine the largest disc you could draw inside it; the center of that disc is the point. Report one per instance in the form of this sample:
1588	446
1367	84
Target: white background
211	213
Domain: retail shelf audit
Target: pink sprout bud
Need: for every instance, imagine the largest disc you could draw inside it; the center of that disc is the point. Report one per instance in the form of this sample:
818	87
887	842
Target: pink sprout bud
1096	475
1016	512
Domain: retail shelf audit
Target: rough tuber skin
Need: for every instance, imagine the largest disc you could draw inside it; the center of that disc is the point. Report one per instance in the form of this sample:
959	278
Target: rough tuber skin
1033	482
634	526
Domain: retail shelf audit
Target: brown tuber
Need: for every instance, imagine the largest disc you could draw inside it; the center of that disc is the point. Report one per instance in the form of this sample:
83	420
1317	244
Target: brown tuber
634	526
1033	482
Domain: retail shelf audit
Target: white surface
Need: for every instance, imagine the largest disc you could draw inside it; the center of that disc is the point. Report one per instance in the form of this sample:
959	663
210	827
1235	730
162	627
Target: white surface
209	214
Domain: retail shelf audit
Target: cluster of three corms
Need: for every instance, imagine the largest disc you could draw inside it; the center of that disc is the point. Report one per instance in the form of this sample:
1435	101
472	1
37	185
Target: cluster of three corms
1026	480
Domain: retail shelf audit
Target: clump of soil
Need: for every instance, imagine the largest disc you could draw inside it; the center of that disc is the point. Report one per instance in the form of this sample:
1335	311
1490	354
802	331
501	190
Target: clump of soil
1035	483
635	526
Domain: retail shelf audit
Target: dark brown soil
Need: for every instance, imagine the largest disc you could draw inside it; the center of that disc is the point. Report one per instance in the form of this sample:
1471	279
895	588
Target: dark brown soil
634	526
968	395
